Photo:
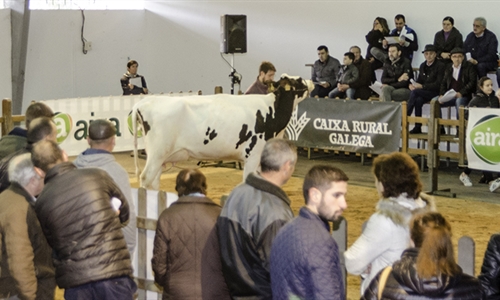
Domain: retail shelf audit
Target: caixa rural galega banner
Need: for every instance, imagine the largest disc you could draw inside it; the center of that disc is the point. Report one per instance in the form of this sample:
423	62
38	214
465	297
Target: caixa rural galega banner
346	125
74	115
483	139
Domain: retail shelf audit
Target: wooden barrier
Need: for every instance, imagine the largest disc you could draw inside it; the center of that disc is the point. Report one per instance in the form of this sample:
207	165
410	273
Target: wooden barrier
7	119
466	246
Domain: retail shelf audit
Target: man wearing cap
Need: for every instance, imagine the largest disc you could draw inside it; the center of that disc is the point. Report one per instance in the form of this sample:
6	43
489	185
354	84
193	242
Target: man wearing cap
459	76
427	86
101	139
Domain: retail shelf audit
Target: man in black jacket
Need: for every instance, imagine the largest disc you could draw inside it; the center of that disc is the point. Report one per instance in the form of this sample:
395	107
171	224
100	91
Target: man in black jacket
461	77
427	86
362	85
81	225
396	76
40	129
250	219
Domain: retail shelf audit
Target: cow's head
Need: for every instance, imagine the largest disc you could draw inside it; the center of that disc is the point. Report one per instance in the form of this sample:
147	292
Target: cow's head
296	84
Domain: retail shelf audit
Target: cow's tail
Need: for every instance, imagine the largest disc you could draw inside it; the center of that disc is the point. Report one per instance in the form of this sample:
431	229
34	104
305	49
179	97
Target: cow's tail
134	129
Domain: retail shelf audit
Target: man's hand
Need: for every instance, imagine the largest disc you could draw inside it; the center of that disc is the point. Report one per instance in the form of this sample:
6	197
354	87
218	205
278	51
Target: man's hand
458	95
416	86
145	90
325	85
473	61
403	77
445	55
372	59
402	41
384	43
344	87
130	86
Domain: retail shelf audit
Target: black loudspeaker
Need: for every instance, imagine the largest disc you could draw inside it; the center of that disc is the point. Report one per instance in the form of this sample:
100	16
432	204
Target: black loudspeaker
233	34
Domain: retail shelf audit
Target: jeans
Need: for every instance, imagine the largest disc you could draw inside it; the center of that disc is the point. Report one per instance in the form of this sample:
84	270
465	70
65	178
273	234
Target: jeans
119	288
320	91
349	93
457	102
379	54
390	93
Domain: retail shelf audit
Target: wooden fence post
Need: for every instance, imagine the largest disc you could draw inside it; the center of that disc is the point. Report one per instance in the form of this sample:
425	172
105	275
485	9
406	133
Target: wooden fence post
7	123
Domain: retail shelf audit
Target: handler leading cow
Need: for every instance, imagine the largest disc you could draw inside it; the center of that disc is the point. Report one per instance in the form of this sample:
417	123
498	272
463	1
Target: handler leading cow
214	127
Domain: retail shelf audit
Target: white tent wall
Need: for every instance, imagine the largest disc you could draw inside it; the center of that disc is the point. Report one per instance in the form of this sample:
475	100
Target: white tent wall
177	42
5	55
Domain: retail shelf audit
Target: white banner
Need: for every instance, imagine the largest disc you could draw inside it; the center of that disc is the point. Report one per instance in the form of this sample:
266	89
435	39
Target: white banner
73	117
483	139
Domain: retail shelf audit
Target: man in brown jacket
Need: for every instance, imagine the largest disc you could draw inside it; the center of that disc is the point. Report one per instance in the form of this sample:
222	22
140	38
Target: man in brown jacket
26	258
186	259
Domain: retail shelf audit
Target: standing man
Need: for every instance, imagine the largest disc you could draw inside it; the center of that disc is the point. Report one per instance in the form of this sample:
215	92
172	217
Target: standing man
482	46
324	73
461	77
251	218
427	86
408	46
362	85
40	129
16	139
396	76
133	83
27	271
101	139
83	228
266	76
305	261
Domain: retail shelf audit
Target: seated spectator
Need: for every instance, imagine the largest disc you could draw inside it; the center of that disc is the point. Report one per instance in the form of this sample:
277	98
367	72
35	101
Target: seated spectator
482	44
181	236
26	260
266	76
101	139
376	53
428	270
301	273
490	270
16	139
83	227
362	85
347	75
386	234
447	39
427	86
461	77
324	73
396	76
40	129
484	98
408	46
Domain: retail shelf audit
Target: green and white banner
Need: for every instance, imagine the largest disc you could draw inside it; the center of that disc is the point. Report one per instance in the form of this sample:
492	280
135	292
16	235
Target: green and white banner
346	125
483	139
73	117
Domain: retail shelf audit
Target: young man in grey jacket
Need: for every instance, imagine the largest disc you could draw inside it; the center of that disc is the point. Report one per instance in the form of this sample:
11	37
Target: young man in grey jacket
101	139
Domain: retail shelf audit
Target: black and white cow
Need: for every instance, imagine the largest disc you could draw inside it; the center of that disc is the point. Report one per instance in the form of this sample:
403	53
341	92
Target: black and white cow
214	127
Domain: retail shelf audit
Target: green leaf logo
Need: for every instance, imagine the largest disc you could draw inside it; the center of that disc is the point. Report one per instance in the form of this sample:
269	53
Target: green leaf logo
64	124
485	139
131	127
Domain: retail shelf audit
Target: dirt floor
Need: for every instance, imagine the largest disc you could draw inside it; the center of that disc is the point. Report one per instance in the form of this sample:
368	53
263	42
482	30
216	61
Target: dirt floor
475	219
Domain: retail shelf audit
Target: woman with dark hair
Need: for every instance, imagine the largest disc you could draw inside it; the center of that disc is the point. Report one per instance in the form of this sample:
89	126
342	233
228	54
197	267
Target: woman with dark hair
386	234
186	256
376	53
428	270
484	98
447	39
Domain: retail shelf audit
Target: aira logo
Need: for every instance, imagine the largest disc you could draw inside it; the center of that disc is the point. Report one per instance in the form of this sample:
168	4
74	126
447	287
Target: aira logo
131	127
485	138
64	124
